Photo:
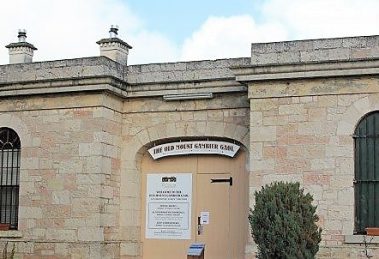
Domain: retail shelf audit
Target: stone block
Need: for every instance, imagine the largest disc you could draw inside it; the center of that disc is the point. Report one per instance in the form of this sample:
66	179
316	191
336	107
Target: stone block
275	120
103	137
84	149
80	251
264	58
55	184
110	219
92	165
61	197
263	104
333	225
256	119
354	42
267	133
328	43
256	151
75	223
345	128
266	164
30	162
90	234
288	57
316	128
53	211
327	100
345	166
347	100
107	192
322	163
346	196
315	178
360	53
291	109
362	105
131	233
82	207
143	137
129	249
317	114
341	181
61	234
308	151
30	212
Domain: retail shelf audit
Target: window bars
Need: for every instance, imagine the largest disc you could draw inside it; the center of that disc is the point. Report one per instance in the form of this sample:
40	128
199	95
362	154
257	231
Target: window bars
9	177
366	181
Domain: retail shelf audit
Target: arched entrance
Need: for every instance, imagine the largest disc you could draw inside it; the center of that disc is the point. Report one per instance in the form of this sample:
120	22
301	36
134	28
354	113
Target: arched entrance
213	211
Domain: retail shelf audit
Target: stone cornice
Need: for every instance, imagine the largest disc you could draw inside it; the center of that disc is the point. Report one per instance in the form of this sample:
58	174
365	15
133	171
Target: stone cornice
114	40
101	73
21	44
108	84
27	73
245	74
220	85
62	76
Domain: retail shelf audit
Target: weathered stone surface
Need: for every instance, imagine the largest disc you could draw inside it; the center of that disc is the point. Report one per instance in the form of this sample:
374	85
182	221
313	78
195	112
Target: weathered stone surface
313	50
85	125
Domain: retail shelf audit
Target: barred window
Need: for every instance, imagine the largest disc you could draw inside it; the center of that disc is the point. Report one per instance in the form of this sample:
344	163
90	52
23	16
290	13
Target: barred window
366	182
9	177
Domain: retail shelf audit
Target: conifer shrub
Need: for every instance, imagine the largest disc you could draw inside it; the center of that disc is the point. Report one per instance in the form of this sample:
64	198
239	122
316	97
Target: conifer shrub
283	222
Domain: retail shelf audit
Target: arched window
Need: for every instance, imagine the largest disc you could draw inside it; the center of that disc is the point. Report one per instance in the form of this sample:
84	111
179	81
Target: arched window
9	177
366	182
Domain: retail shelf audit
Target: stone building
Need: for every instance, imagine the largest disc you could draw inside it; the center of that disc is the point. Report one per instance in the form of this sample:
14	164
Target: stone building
101	159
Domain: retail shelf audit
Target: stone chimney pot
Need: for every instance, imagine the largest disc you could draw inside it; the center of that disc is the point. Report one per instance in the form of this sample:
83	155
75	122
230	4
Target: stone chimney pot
21	36
114	48
21	51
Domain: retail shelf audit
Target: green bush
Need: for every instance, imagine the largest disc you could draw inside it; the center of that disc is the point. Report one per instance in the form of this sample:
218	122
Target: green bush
283	222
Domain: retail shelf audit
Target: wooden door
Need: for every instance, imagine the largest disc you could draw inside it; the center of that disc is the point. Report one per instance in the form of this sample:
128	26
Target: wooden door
165	248
213	203
225	236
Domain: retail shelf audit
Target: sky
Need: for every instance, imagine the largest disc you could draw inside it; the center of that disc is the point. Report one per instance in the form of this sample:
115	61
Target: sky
178	30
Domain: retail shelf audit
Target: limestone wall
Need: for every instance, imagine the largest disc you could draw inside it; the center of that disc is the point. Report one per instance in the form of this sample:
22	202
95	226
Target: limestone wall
308	138
70	176
83	131
85	124
147	121
306	97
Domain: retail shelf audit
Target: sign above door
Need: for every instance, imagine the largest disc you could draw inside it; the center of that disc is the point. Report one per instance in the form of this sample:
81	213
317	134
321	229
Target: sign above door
204	147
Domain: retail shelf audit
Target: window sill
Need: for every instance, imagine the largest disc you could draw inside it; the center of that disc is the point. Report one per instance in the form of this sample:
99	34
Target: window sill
361	239
10	234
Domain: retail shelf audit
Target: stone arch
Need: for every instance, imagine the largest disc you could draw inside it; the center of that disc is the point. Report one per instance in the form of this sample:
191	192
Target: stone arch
185	129
357	110
346	126
15	123
349	120
137	146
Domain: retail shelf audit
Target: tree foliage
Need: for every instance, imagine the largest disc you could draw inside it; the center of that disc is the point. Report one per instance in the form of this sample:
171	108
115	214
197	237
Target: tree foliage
283	222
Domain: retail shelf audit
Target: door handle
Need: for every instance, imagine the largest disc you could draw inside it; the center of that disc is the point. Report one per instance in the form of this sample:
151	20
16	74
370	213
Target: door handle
199	226
223	180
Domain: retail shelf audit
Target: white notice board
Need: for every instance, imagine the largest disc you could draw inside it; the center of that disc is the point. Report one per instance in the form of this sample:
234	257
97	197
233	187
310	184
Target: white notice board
168	206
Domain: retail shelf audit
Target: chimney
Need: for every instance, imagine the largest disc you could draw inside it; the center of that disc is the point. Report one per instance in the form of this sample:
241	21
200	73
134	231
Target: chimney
21	51
114	48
